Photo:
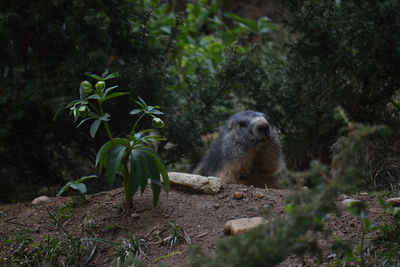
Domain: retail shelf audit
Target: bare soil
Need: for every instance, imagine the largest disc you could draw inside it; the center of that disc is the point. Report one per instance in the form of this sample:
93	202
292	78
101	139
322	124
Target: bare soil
202	217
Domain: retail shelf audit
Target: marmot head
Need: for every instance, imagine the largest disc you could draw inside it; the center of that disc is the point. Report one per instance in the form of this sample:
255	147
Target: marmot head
247	130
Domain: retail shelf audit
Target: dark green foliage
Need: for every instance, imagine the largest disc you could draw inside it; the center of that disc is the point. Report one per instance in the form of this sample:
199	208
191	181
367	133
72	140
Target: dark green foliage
208	100
270	244
343	53
131	156
46	48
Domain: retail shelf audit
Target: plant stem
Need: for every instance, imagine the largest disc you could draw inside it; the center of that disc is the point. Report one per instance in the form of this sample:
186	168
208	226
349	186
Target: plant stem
125	175
108	130
106	126
136	123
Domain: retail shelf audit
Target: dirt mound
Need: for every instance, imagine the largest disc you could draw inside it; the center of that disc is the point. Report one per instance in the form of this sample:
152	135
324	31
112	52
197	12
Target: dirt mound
202	218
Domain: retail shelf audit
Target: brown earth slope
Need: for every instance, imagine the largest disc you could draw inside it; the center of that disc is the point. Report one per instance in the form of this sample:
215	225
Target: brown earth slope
202	217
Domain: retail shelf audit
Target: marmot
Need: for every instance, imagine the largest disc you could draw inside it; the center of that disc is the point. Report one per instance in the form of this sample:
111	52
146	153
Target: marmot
247	151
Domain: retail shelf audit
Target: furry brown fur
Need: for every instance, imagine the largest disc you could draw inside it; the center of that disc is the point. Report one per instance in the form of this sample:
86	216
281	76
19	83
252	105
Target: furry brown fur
247	151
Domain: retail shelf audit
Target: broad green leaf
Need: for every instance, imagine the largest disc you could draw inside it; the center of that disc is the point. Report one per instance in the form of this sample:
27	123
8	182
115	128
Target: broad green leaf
144	161
114	95
82	121
141	105
105	117
94	127
80	187
94	96
85	178
152	110
160	165
135	111
155	181
94	76
141	159
108	90
102	154
142	101
113	161
245	23
72	103
135	172
64	188
156	188
111	76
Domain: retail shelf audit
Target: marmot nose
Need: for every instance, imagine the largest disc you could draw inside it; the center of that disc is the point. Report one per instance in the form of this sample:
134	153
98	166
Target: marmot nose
261	129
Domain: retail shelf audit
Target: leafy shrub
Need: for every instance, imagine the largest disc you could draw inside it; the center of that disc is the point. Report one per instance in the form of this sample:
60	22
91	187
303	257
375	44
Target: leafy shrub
47	46
131	156
78	185
343	53
202	96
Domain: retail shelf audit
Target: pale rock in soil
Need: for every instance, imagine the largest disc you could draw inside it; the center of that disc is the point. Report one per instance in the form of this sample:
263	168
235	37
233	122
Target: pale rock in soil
135	215
394	201
41	200
347	202
207	185
234	227
238	195
258	195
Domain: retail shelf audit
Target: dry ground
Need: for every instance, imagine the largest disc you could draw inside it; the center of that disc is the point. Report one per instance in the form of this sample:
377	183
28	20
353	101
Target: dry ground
201	216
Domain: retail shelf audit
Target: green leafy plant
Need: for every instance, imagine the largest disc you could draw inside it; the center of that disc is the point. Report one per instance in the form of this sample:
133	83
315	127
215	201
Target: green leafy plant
131	156
60	249
176	234
129	247
77	185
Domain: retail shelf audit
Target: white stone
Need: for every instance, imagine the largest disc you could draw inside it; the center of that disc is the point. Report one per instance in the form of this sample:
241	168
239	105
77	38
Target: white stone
207	185
40	200
234	227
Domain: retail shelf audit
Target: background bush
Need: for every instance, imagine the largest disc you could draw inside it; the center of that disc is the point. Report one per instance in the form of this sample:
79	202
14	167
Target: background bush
342	53
47	46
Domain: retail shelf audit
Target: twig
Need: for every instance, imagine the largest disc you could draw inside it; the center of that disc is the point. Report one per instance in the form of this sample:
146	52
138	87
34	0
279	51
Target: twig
16	223
90	256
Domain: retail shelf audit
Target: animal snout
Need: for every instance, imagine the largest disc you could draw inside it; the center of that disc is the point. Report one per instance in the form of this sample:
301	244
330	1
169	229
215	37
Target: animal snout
261	128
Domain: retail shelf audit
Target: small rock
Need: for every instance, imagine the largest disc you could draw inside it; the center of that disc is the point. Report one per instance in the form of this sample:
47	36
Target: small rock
41	200
206	185
393	201
363	194
347	202
258	194
234	227
268	206
216	206
166	216
331	256
135	215
245	190
238	195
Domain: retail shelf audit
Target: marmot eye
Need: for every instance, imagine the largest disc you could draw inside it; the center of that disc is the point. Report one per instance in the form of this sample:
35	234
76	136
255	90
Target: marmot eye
242	123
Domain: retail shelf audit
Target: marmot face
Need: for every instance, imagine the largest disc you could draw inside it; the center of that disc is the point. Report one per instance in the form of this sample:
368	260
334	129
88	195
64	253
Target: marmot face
246	131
